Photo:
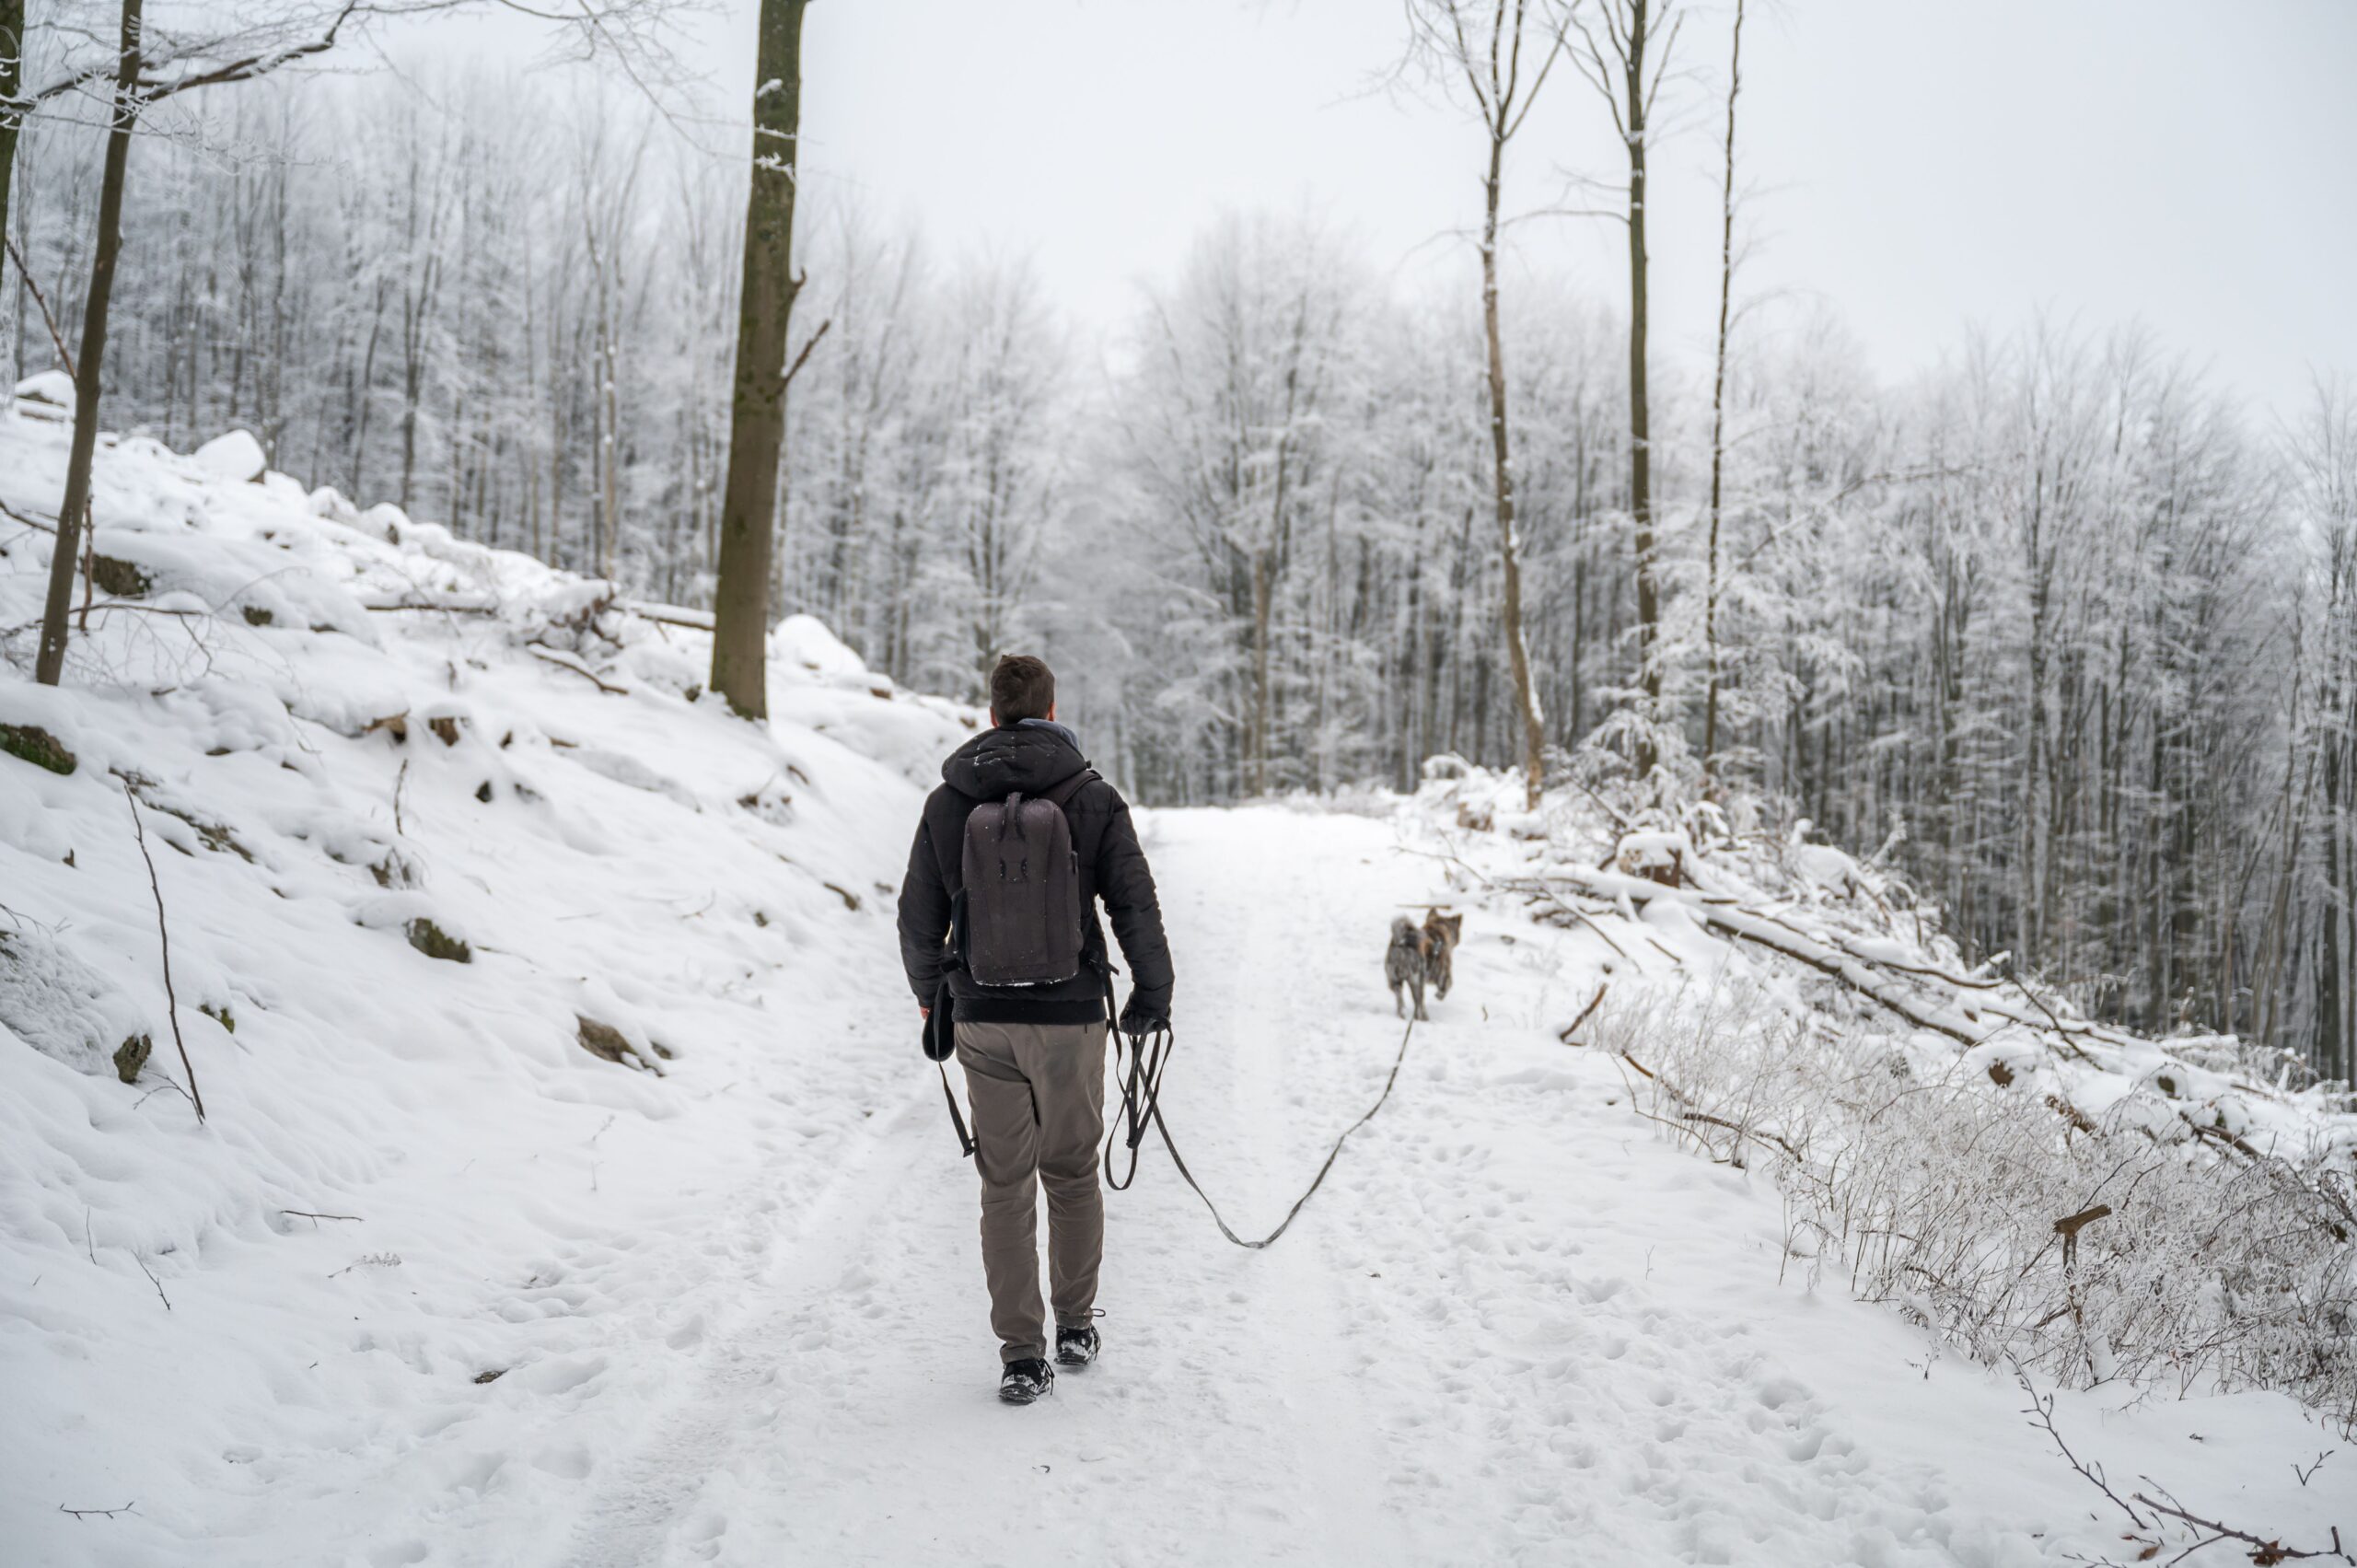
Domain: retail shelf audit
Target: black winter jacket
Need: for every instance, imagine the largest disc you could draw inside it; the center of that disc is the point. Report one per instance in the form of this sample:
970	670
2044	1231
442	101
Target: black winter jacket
1033	758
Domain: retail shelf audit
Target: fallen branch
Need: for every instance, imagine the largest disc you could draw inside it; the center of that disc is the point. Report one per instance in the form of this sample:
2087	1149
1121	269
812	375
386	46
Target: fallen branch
100	1513
670	614
580	670
1565	1033
1859	973
306	1213
2263	1550
2041	1413
164	933
1740	1131
33	523
480	604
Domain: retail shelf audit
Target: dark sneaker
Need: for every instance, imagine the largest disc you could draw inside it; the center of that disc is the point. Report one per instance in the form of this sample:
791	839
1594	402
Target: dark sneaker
1024	1381
1075	1347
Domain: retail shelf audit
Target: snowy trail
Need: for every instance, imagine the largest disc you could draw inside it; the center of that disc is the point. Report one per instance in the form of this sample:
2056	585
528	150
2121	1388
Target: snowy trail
852	1417
1512	1328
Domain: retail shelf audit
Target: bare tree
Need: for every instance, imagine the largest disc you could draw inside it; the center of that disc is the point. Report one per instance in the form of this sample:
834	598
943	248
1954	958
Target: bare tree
50	665
756	414
1454	38
1627	67
12	83
141	75
1712	585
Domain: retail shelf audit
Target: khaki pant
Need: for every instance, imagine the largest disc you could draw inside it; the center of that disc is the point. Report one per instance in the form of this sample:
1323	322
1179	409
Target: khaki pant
1038	1092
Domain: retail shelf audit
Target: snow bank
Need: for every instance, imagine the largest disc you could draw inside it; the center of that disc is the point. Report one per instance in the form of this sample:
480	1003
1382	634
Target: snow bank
1935	1125
494	938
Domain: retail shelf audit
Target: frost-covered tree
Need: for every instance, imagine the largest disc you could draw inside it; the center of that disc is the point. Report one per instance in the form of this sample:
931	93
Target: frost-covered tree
1501	54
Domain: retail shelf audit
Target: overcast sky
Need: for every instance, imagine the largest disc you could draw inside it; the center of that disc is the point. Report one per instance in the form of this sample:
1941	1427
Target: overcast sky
1920	166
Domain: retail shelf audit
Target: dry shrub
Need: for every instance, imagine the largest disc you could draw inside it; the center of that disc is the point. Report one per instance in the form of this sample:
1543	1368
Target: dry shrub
1939	1190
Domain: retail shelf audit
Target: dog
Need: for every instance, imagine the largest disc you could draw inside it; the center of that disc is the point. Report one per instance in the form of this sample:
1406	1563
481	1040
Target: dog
1419	954
1441	932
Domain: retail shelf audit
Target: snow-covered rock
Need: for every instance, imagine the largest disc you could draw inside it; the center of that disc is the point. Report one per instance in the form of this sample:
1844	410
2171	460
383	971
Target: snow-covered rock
234	457
50	388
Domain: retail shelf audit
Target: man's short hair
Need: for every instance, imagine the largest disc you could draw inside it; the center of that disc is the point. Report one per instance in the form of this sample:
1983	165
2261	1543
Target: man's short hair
1022	688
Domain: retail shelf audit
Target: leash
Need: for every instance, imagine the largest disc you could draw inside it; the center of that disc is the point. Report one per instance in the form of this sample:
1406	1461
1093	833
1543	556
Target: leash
1142	1103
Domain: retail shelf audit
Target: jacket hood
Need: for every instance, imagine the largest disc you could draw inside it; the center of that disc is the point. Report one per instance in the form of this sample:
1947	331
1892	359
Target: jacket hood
997	763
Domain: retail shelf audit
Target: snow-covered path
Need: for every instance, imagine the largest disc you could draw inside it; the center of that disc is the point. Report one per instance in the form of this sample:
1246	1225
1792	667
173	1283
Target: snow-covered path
1514	1328
852	1416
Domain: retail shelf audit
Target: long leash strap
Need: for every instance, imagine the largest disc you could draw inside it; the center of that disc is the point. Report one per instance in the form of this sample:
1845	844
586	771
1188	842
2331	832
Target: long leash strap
956	1117
1141	1096
1153	1112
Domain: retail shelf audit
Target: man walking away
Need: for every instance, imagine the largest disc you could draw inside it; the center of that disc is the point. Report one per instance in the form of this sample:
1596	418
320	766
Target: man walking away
998	923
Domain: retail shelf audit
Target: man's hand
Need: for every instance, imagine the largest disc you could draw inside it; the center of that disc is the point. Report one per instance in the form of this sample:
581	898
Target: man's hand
1144	1015
925	1013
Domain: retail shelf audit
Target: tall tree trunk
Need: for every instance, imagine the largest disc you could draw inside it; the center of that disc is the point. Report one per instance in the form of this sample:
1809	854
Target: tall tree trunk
12	82
1641	452
1534	738
1258	742
756	414
49	664
1711	587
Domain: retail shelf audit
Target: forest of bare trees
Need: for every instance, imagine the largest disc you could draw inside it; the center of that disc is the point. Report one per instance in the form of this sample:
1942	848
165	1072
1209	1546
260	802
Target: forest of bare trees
2060	627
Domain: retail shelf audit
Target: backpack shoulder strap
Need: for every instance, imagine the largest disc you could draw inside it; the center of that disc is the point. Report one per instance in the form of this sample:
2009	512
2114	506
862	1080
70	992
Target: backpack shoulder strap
1062	795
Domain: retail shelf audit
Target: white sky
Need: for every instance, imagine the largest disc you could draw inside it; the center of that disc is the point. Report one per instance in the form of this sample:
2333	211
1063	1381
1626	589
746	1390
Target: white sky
1920	166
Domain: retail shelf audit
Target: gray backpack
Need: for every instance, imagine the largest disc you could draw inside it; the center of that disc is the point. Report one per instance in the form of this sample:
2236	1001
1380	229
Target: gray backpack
1021	915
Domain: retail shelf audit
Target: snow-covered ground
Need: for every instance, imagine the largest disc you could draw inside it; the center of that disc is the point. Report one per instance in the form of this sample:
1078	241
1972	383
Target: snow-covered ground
580	1313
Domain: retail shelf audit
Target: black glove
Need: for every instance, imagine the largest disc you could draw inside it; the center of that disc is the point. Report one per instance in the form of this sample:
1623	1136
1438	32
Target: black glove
941	1028
1141	1015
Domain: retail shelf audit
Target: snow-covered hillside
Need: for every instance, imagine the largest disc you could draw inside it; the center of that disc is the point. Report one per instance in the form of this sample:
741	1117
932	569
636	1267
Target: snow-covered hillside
571	1191
421	867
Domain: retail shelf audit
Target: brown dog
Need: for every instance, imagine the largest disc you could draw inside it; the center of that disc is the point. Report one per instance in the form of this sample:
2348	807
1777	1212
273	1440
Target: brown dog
1418	954
1441	932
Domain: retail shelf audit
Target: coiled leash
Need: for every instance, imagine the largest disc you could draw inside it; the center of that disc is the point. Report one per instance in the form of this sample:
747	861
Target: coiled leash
1149	1057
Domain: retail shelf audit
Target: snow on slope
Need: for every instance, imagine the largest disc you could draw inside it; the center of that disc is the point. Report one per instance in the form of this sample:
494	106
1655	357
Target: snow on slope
315	778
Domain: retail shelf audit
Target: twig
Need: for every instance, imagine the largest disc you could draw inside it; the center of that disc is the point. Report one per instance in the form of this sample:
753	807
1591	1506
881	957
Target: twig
2041	1413
165	1081
48	317
1565	1033
2263	1550
164	933
307	1213
1619	819
581	670
795	367
399	779
102	1513
1740	1131
152	1281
